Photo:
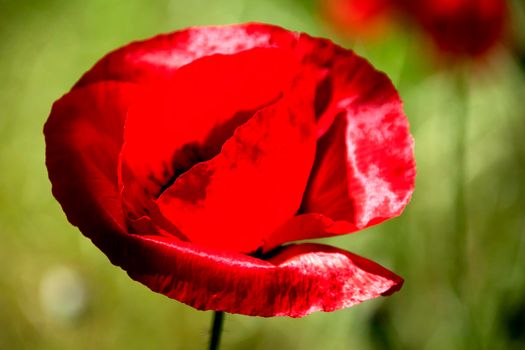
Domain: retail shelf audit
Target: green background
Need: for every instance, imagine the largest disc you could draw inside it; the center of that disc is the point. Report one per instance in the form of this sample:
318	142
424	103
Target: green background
460	244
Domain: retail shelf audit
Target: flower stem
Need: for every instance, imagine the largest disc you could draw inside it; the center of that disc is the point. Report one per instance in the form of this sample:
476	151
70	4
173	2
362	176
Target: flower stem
216	330
461	228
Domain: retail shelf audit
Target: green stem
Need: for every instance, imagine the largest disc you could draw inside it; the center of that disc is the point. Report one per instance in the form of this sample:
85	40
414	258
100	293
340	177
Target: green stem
216	330
460	262
460	200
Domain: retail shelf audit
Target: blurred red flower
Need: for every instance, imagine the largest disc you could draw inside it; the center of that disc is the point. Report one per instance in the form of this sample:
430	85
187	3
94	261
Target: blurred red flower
457	27
190	158
362	18
460	27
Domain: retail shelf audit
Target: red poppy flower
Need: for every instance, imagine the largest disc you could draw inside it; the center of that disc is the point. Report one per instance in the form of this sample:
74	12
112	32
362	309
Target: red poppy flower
190	158
457	27
368	18
461	27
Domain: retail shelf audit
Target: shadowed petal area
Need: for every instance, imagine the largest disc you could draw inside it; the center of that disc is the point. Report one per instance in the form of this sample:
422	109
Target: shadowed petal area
83	140
306	226
155	60
296	281
254	184
187	121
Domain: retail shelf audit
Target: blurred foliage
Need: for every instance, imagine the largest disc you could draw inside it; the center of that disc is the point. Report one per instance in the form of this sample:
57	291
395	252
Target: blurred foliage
460	244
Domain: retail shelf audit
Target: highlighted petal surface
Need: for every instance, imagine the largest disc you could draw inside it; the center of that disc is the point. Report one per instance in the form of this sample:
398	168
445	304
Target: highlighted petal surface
155	60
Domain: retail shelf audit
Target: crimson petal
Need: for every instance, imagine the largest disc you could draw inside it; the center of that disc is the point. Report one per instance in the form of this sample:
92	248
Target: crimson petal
83	138
298	280
191	116
364	169
254	184
370	140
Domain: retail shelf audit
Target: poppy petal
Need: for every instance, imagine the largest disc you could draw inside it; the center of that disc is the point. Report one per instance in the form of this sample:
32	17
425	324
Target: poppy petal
364	169
306	226
186	121
155	60
83	141
296	281
254	184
